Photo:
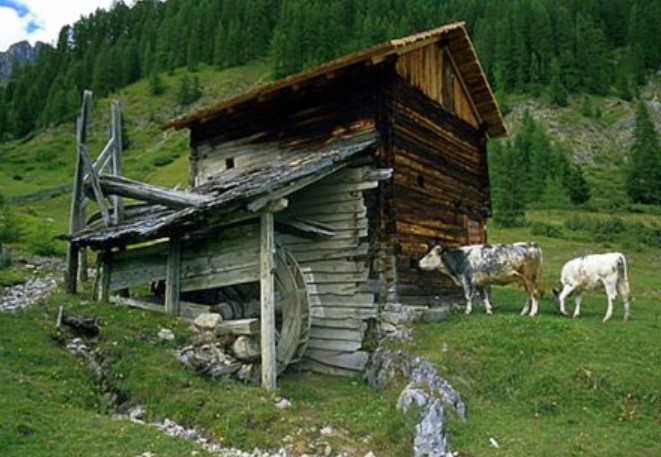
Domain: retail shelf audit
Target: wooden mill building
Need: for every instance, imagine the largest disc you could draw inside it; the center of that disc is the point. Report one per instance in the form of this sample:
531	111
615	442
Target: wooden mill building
344	173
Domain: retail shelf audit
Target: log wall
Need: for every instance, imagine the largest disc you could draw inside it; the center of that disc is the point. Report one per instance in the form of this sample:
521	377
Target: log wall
440	189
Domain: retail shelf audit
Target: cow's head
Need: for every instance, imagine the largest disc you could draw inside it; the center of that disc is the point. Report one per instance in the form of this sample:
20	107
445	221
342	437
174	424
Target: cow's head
433	260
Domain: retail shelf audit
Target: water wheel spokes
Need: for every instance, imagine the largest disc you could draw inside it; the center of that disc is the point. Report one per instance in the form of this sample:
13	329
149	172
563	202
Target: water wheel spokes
292	307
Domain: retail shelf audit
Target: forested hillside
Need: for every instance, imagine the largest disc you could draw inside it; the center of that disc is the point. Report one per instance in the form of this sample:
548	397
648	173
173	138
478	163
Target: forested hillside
551	47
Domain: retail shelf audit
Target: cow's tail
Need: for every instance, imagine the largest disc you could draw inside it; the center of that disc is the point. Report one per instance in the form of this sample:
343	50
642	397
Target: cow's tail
623	278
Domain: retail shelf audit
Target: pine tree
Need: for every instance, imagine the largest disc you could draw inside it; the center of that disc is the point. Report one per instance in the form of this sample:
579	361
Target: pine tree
577	186
507	189
644	171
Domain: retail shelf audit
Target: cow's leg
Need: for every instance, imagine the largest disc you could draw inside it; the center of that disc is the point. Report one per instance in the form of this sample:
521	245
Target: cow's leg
625	293
534	305
485	291
578	299
562	297
611	293
526	307
469	291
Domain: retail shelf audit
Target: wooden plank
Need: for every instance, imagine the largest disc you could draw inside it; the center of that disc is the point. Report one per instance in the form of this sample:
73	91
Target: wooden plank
223	279
125	301
117	201
267	297
94	182
332	300
239	327
338	266
330	254
335	278
322	368
343	289
348	312
76	222
260	203
334	345
319	333
347	324
117	185
355	361
173	277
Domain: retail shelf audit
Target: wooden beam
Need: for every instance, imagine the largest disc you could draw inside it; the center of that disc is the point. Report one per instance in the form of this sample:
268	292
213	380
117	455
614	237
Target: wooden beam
118	185
71	272
172	279
267	296
117	202
94	181
248	326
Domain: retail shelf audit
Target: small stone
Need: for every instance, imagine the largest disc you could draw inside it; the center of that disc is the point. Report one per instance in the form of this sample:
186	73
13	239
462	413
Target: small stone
208	321
166	334
282	403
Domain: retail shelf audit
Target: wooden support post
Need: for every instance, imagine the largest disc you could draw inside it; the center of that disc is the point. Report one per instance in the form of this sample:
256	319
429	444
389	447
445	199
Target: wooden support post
104	280
82	254
117	201
172	279
71	272
267	286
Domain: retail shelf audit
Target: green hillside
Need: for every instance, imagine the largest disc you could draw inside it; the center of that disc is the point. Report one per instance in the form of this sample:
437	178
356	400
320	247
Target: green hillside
45	160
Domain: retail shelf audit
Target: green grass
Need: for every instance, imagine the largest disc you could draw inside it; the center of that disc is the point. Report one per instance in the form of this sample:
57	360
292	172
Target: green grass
551	385
51	405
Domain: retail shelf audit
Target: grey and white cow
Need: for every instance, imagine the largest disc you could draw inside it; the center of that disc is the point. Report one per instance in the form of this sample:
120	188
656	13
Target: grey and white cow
591	271
477	266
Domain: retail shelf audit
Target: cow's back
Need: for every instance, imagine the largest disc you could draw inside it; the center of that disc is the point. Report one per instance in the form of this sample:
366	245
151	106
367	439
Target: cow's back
588	271
503	263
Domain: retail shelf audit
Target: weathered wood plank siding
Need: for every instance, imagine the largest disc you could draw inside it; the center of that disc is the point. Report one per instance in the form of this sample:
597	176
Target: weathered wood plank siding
334	106
336	268
439	183
230	257
431	69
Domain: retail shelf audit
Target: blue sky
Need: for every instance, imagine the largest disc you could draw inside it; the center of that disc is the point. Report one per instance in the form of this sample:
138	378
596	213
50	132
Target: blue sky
41	20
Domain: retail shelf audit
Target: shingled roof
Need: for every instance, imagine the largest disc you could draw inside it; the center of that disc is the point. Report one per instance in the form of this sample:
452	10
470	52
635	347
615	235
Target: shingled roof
245	191
455	36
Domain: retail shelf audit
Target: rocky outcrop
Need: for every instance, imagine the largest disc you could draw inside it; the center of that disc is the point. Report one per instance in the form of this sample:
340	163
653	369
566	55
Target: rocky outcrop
17	53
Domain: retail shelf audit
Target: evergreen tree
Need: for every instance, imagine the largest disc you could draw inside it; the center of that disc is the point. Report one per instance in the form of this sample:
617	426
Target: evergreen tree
156	86
577	186
507	189
644	171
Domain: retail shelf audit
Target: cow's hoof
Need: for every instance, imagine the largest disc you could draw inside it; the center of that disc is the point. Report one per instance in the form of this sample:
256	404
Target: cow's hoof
489	313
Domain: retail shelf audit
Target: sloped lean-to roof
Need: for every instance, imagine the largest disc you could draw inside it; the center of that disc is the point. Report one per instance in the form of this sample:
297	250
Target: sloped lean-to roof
230	194
454	35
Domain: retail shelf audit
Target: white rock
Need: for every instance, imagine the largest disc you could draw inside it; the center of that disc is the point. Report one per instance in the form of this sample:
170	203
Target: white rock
166	334
208	321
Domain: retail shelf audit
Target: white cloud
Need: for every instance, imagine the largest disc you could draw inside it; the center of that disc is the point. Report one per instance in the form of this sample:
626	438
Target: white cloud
44	19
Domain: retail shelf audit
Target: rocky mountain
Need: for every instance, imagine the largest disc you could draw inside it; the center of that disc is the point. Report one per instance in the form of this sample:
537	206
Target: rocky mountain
17	53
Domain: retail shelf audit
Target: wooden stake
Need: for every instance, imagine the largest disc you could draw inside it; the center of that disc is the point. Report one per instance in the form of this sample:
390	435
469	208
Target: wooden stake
267	286
71	272
172	279
117	201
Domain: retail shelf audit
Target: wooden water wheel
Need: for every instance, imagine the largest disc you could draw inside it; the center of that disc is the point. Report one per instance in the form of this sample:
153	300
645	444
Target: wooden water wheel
292	308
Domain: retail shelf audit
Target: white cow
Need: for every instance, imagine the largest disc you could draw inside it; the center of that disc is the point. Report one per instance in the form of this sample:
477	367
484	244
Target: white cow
591	271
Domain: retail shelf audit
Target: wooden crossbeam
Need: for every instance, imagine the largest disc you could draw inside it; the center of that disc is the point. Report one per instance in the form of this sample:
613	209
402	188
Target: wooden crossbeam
118	185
